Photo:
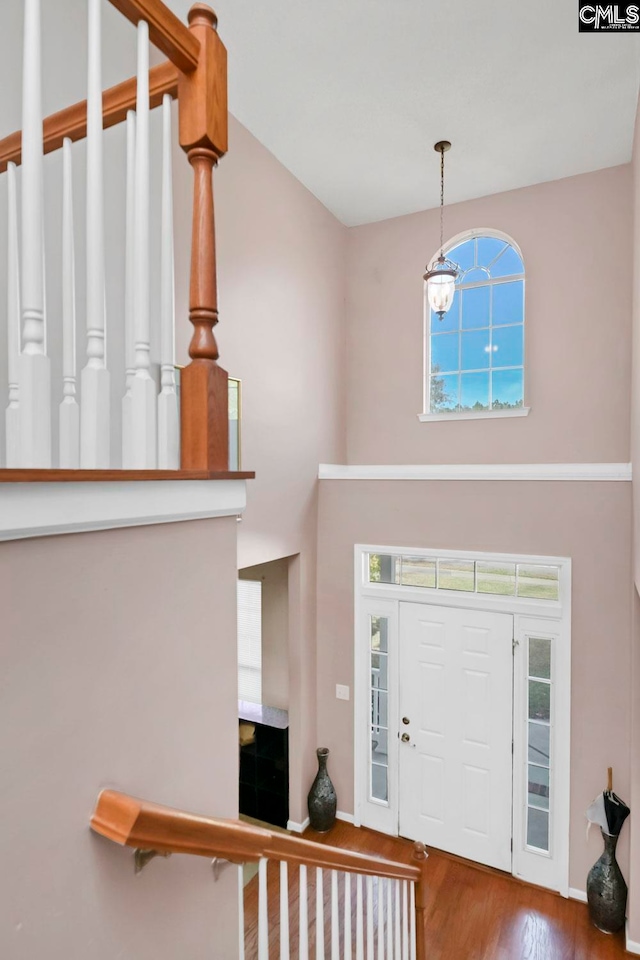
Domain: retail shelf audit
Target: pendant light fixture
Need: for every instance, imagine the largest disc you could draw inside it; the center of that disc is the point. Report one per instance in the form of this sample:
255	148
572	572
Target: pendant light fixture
441	274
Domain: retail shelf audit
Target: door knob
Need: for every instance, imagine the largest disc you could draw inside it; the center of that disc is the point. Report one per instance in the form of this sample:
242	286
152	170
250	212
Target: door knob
405	738
406	720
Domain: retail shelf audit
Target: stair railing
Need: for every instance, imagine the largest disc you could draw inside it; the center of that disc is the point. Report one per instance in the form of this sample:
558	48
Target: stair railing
387	899
189	441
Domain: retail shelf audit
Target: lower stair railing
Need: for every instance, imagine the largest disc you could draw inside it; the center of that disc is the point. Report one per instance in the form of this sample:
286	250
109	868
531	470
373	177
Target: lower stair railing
331	903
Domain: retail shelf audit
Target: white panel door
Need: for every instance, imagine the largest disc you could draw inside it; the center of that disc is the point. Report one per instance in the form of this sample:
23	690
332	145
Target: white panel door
456	691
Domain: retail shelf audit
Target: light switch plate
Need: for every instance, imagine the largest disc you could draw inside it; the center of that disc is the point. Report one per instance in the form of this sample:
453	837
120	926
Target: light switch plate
342	692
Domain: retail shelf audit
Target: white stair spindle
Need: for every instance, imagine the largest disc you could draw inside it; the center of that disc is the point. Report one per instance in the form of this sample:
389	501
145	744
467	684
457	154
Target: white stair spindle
143	388
34	367
95	435
263	912
369	882
240	913
319	915
12	415
284	910
359	920
335	917
168	417
129	308
396	924
389	921
69	409
303	927
412	918
347	917
380	900
405	920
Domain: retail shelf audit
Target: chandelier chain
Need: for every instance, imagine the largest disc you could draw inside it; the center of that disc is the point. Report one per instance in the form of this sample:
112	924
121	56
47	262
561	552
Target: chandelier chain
441	200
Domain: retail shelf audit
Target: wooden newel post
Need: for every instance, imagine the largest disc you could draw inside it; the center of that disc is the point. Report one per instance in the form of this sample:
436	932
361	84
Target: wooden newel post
420	860
204	397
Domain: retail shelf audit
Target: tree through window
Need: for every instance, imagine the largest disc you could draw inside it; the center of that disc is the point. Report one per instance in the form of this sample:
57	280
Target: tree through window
476	352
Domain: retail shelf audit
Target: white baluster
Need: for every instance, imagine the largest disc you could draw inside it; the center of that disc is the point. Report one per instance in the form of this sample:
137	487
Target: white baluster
240	913
412	916
319	915
143	389
129	308
303	932
263	912
396	924
369	882
69	410
347	916
168	418
12	414
405	920
284	911
359	920
95	436
389	921
34	368
380	900
335	917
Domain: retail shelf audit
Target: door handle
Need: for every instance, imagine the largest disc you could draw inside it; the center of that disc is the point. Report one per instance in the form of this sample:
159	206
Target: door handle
405	738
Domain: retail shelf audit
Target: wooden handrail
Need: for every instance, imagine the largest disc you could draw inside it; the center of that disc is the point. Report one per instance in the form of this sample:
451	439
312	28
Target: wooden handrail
72	121
150	826
166	31
30	475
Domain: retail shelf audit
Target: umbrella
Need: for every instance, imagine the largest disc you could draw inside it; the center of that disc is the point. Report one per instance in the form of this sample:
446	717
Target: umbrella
608	811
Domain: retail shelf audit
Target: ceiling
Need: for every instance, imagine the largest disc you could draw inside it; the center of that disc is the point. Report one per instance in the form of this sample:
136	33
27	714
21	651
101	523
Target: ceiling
350	95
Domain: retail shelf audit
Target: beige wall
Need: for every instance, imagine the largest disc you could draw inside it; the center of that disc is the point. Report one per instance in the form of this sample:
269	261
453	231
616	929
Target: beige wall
114	673
577	339
281	294
589	522
275	629
634	825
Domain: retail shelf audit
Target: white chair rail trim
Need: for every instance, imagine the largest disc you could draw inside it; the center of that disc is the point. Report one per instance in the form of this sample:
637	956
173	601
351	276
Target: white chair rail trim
47	509
477	471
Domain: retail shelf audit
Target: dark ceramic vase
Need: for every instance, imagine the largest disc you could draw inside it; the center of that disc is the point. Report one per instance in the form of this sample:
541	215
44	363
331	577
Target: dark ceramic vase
607	890
322	800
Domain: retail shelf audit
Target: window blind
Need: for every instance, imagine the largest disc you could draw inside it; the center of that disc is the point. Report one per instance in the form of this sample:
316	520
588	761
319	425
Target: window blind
250	640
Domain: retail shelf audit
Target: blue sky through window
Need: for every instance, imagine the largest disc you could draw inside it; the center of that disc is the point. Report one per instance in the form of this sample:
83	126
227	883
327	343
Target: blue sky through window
476	352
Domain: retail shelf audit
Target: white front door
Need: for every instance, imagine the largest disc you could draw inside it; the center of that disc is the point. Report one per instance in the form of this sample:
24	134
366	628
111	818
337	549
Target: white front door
456	729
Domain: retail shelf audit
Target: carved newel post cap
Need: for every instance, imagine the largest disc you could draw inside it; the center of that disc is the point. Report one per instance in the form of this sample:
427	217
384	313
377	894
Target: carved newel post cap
202	13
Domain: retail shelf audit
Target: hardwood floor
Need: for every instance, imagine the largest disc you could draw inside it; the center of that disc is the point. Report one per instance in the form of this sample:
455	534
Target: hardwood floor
474	913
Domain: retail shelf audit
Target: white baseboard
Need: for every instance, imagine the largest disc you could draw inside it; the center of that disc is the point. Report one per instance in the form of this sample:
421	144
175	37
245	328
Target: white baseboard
301	827
631	945
575	894
297	827
347	817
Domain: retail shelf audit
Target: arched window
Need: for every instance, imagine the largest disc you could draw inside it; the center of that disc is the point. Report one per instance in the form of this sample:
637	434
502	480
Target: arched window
475	354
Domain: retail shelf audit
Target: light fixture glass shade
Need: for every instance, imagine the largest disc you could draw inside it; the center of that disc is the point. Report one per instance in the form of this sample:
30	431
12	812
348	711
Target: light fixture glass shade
441	285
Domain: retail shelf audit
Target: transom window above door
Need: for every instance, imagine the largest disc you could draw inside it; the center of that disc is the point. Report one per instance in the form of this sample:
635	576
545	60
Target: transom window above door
475	353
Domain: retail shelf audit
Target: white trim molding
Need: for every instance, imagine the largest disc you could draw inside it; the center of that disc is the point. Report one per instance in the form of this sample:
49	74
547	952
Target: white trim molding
632	946
476	414
477	471
347	817
47	509
298	827
575	894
